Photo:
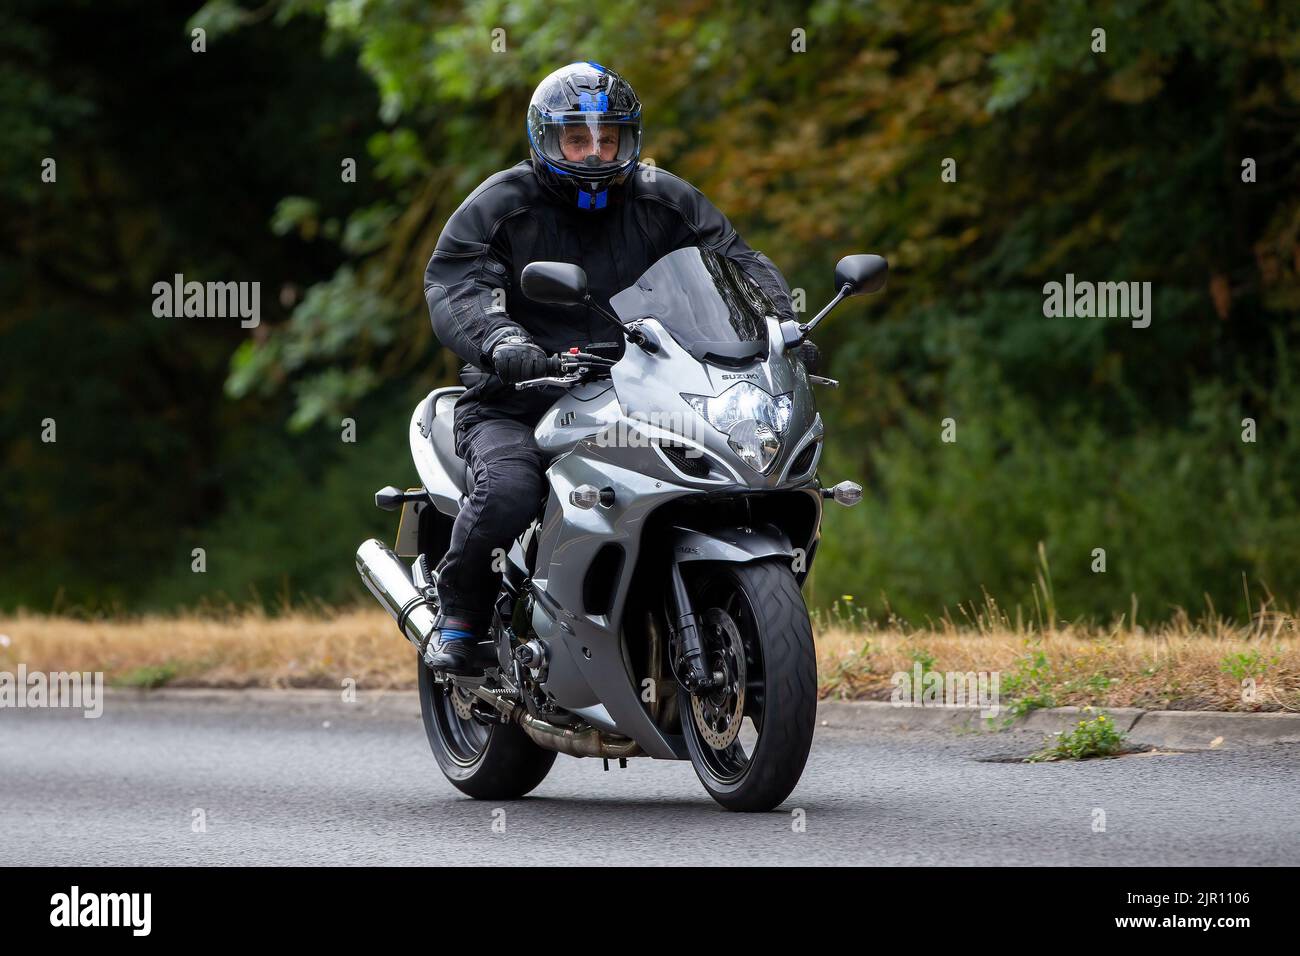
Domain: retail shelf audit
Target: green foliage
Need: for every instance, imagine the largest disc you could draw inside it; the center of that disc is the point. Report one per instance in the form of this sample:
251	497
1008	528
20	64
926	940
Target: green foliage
168	161
923	657
297	516
147	677
1072	434
1179	512
1247	664
36	110
296	214
1030	685
1098	737
336	317
843	613
398	155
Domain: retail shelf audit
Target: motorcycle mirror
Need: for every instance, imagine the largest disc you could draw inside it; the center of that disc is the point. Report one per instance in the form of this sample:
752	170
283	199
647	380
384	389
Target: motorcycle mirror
554	283
862	274
854	275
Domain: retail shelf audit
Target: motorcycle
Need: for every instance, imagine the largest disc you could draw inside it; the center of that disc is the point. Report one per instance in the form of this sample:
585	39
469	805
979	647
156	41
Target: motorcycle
654	608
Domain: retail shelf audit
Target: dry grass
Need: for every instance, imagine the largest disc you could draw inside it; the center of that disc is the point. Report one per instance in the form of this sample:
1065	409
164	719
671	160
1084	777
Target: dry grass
1178	665
243	649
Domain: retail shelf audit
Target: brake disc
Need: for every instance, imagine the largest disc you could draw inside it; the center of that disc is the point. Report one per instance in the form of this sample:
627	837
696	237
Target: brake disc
719	710
460	702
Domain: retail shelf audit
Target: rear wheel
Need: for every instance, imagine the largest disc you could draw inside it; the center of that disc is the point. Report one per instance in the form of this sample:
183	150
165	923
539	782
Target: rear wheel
485	761
749	737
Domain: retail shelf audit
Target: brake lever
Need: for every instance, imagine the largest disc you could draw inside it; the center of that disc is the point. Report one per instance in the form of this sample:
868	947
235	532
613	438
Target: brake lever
822	380
547	380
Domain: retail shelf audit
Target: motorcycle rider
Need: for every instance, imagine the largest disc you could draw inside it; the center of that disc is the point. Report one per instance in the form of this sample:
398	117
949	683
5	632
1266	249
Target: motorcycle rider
582	197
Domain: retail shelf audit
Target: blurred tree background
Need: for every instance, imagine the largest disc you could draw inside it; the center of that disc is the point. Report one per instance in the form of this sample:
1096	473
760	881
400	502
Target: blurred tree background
821	129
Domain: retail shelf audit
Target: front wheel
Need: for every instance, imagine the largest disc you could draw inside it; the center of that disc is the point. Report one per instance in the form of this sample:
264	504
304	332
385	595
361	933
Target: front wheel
749	737
486	761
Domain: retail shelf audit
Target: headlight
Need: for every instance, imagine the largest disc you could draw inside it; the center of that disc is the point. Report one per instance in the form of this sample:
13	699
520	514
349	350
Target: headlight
753	421
755	442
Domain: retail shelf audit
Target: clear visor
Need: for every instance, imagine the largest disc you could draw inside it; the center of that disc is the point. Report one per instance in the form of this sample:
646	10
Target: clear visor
588	141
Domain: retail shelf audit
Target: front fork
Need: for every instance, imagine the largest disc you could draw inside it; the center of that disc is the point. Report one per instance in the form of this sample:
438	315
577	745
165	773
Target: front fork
691	665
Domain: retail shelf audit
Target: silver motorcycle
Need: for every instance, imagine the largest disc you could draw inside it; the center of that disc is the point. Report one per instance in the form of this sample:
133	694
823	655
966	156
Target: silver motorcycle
654	607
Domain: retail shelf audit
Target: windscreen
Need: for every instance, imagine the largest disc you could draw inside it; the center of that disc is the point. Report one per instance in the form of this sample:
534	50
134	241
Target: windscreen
705	302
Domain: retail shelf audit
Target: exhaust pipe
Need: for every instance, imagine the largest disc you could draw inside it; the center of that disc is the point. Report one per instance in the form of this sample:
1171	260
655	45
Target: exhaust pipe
387	578
583	742
588	742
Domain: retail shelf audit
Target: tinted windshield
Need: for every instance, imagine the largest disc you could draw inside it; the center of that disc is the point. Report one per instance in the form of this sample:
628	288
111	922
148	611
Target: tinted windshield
704	301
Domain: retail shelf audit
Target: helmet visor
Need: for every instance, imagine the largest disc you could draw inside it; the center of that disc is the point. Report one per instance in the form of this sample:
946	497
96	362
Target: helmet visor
587	143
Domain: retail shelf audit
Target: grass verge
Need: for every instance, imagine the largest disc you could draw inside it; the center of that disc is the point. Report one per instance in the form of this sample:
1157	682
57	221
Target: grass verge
1182	665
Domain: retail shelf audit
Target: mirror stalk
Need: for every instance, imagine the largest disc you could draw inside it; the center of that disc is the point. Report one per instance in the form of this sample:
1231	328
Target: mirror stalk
635	336
808	326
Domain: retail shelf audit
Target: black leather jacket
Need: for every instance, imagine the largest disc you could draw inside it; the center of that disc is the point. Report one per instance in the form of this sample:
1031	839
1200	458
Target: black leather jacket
472	281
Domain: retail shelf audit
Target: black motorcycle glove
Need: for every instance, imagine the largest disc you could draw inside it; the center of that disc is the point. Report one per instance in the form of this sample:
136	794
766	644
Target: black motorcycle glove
516	359
808	353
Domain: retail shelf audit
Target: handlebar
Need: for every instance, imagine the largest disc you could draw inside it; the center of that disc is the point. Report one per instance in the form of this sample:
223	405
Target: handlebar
570	368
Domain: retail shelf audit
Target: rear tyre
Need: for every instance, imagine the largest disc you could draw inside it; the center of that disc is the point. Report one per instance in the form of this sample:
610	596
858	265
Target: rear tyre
485	761
749	739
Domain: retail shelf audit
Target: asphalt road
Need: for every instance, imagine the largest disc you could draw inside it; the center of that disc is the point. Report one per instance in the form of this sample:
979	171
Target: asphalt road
339	785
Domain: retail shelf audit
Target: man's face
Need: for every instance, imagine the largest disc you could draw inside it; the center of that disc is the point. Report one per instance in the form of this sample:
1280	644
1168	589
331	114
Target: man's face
576	143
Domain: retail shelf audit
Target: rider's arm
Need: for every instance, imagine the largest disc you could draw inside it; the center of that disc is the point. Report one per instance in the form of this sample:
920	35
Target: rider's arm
469	272
703	224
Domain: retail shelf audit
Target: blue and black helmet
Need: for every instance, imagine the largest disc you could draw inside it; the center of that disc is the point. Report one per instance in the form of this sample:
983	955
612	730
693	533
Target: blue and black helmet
584	131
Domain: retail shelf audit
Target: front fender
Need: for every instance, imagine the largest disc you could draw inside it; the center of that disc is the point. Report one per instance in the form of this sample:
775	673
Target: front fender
737	544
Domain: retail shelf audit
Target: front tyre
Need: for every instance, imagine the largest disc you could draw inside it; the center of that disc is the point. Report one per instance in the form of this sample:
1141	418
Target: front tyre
749	737
485	761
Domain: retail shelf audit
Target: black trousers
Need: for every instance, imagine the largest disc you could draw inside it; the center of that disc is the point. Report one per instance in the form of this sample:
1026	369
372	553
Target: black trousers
509	482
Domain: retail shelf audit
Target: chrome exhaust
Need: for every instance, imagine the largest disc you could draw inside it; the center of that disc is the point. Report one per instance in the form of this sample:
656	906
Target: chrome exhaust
387	578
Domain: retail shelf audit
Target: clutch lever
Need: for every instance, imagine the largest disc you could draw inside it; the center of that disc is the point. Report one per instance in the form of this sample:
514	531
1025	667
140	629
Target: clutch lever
548	380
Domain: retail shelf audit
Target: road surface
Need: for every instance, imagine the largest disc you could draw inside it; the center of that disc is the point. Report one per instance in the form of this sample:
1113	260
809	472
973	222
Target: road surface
339	784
